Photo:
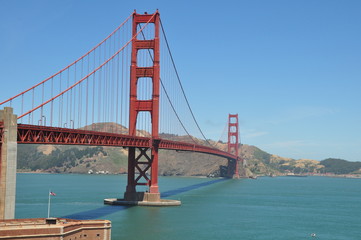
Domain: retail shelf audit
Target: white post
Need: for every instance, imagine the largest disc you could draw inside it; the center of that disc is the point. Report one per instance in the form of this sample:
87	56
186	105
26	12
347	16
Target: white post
49	204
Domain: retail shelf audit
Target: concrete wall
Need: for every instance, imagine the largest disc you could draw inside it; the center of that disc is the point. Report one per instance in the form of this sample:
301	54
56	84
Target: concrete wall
8	160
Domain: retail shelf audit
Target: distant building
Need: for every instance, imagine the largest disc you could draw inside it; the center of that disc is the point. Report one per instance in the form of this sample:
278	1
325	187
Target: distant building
54	229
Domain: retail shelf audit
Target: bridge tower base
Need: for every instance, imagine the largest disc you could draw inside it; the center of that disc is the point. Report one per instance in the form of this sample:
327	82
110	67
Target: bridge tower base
8	155
144	200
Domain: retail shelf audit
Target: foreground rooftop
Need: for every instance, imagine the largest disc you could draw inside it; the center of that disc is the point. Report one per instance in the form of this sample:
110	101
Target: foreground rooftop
54	228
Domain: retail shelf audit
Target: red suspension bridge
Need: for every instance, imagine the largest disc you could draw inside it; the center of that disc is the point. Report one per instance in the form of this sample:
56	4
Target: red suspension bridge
119	81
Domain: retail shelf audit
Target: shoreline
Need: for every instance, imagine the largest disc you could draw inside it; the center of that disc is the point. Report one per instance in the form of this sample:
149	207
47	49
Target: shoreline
354	176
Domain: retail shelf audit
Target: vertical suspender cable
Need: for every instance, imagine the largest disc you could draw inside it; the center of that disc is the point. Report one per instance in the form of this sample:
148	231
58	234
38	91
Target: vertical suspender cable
181	86
52	102
22	105
60	106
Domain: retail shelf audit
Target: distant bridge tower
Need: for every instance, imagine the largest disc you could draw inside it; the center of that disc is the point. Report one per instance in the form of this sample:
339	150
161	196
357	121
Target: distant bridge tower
233	145
146	158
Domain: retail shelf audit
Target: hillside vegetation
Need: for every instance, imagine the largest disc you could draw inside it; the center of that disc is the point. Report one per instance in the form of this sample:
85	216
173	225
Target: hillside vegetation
66	159
81	159
340	166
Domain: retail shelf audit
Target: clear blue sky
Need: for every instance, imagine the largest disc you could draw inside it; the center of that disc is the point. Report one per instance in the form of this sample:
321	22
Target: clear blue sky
291	69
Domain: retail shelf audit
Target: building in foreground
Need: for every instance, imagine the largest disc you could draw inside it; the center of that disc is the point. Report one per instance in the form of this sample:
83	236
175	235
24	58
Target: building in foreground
54	229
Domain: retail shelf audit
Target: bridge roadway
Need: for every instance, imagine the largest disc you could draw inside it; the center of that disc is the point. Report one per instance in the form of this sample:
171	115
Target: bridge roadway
34	134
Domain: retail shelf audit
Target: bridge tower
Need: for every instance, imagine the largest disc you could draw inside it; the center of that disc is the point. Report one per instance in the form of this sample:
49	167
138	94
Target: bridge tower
138	158
233	144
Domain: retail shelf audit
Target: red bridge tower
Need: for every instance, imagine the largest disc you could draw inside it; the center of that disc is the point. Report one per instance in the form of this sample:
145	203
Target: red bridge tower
233	145
140	160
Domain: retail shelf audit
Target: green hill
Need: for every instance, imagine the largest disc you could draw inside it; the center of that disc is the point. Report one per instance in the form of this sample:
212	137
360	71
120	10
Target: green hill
340	166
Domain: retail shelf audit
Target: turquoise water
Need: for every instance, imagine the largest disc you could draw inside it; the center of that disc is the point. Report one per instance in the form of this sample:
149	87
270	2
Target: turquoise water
266	208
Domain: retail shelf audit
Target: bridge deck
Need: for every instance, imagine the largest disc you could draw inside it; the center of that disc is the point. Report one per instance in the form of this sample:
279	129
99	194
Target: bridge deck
34	134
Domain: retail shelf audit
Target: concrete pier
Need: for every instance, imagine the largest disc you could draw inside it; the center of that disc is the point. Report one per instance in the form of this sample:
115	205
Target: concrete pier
143	199
8	158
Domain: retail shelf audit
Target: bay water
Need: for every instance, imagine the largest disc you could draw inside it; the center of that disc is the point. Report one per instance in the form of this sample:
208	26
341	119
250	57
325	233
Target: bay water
262	209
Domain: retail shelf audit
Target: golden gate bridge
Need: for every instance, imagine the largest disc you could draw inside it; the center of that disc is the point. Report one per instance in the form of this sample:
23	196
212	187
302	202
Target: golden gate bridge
126	81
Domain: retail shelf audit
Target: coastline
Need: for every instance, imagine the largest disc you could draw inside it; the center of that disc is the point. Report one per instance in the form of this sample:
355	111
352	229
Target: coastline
354	176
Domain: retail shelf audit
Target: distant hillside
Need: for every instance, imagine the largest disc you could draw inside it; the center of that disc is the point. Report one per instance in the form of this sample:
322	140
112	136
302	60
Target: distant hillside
81	159
60	159
340	166
106	127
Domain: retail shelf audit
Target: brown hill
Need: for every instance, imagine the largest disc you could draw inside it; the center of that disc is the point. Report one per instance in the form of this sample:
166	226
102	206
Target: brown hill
81	159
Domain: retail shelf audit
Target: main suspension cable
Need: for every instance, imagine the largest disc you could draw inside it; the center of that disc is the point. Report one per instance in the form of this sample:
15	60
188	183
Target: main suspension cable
73	63
179	81
169	100
87	76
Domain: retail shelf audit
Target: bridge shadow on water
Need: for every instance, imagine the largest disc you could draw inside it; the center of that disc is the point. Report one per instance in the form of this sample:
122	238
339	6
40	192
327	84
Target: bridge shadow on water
191	187
109	209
